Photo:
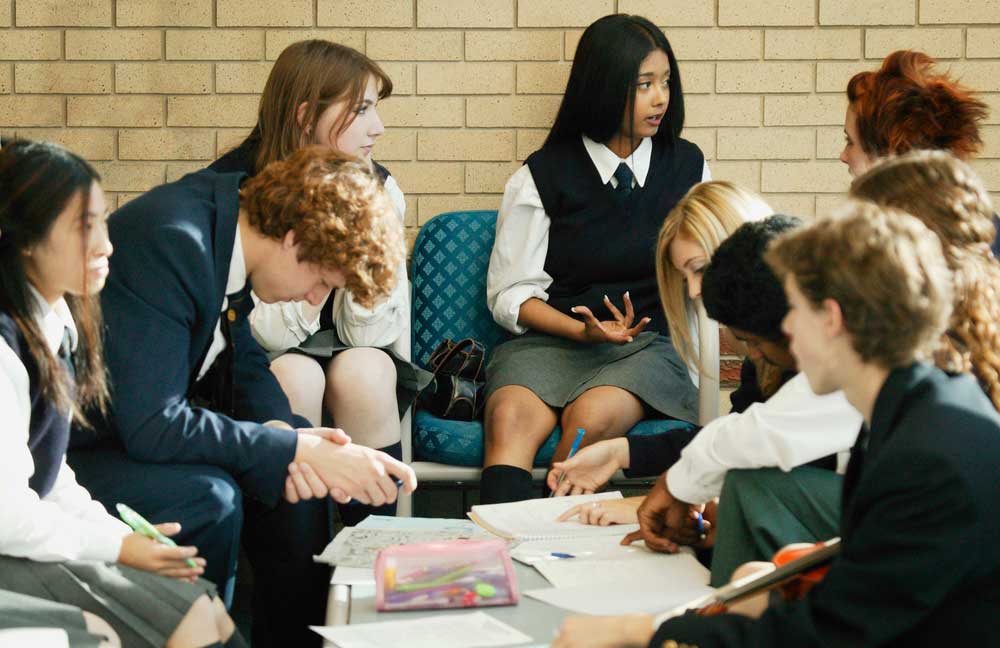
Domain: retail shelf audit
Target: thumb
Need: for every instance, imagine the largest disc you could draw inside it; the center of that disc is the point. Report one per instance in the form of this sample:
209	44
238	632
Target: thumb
333	435
168	528
635	536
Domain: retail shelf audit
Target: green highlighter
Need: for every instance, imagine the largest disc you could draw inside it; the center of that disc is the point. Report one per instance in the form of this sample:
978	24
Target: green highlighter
140	525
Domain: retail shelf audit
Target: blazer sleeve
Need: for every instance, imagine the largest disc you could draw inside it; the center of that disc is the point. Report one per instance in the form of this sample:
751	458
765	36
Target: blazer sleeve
151	306
917	541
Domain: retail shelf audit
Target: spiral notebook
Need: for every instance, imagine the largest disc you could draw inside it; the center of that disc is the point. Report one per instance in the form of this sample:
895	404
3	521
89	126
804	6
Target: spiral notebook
536	519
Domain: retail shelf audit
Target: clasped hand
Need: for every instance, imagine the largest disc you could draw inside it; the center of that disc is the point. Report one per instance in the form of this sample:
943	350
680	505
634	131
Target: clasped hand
617	331
327	463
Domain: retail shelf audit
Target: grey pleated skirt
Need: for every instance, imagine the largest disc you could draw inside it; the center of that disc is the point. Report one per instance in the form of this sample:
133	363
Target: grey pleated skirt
21	611
410	379
143	608
558	371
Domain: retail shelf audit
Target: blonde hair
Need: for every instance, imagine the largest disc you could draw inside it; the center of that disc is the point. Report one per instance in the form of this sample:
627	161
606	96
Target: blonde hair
950	199
885	270
706	215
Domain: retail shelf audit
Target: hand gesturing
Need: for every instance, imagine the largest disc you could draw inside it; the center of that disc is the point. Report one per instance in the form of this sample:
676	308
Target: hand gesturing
617	331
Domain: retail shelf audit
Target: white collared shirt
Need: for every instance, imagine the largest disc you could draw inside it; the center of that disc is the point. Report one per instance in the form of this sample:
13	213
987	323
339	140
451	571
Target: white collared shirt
283	325
517	263
792	428
67	524
235	282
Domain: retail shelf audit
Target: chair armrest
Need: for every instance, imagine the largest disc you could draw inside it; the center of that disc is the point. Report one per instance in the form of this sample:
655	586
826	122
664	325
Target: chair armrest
708	350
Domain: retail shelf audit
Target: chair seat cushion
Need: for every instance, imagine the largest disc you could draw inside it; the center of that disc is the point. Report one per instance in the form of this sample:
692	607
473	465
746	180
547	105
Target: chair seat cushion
460	443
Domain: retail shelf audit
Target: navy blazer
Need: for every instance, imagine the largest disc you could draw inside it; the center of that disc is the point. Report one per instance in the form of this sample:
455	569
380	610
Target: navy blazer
162	302
920	561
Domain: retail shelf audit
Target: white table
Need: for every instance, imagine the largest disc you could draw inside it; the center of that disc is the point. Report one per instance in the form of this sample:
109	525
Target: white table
356	604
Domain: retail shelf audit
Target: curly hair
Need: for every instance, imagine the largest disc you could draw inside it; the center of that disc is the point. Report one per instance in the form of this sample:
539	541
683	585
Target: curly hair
951	200
342	217
885	270
707	214
907	105
739	289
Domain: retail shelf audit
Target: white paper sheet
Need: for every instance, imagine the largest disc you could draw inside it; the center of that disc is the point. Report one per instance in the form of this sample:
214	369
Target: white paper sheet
639	567
471	630
619	598
536	519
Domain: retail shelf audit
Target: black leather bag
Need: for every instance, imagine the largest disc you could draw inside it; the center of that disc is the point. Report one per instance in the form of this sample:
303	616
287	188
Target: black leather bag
459	378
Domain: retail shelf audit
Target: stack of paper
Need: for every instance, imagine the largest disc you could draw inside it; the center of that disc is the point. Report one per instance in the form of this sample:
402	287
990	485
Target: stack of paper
472	630
536	519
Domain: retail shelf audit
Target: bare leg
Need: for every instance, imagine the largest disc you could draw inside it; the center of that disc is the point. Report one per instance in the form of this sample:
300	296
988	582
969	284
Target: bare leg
517	423
603	412
197	628
361	396
301	378
223	622
97	626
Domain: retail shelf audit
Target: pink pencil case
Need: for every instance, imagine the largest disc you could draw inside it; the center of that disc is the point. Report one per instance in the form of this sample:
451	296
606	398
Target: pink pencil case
452	574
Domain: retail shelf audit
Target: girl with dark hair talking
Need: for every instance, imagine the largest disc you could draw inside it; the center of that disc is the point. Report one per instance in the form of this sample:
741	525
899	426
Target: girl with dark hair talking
573	267
57	543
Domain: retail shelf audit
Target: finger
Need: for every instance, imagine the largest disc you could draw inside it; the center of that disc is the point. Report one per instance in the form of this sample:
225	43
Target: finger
552	479
588	491
629	310
571	513
339	495
186	573
577	490
388	487
662	545
588	317
400	471
637	329
617	314
564	488
169	528
316	484
299	481
290	495
629	538
165	554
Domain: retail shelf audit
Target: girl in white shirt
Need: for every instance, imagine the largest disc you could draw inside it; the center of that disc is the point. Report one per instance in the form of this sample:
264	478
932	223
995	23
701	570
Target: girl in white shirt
342	365
55	541
575	240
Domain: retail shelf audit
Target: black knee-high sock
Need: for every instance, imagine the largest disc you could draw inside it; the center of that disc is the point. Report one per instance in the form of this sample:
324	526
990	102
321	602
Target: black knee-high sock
504	483
352	514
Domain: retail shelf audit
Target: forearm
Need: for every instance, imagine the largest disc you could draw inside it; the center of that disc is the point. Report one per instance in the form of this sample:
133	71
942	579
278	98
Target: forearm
539	316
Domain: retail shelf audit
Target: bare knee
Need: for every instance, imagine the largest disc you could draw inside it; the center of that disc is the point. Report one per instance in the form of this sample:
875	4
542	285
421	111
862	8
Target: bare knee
222	620
513	418
363	370
197	628
302	379
753	606
97	626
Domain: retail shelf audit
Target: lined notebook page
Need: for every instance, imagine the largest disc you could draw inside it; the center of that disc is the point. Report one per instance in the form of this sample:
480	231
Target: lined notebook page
536	519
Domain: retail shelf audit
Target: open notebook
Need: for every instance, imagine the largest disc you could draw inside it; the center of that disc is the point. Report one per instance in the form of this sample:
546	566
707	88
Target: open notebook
536	519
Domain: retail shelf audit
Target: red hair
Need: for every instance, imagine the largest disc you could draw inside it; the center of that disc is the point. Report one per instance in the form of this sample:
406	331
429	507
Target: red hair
907	105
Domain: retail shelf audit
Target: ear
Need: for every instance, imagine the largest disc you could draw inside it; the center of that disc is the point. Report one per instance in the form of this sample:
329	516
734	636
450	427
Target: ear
288	242
833	318
300	113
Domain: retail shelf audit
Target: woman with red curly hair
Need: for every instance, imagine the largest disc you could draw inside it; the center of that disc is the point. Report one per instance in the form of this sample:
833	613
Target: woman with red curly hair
908	104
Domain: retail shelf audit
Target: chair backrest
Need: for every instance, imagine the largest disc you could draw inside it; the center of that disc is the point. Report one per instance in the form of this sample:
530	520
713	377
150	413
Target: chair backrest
450	258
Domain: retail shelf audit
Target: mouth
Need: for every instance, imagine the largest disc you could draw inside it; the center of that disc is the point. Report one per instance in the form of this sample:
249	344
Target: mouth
654	120
368	149
99	268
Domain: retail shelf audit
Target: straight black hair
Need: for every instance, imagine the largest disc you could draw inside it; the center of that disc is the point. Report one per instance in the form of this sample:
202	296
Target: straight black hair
602	81
37	181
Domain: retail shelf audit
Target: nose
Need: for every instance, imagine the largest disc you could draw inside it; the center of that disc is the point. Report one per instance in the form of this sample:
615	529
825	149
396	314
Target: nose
662	93
694	287
785	328
754	351
377	126
102	244
843	155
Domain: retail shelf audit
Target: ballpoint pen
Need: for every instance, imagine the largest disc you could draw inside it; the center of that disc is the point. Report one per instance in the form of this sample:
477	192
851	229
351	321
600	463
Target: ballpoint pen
140	525
572	451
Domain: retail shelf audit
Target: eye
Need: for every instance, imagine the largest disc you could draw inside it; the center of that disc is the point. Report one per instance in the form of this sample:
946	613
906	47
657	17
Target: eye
644	85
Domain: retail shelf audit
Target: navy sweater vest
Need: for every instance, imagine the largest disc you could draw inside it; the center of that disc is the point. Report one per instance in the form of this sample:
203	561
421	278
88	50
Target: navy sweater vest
601	242
48	433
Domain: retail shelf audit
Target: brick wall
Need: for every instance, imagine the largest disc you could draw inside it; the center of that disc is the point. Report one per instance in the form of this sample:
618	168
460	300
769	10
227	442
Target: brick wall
150	89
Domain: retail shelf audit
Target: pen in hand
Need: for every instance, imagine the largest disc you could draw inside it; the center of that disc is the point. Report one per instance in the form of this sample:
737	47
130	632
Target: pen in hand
572	451
140	525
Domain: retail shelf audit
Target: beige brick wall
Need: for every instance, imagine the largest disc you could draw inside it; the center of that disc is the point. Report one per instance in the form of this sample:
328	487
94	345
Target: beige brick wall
150	89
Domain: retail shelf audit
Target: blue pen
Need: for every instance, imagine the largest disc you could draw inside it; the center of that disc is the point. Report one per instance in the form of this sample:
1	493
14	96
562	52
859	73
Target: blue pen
700	525
559	554
572	451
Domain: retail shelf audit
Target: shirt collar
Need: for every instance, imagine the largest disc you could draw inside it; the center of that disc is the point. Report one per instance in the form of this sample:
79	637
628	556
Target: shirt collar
606	160
53	319
237	267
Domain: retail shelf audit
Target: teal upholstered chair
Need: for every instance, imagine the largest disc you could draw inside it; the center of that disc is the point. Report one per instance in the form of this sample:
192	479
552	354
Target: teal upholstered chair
450	259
